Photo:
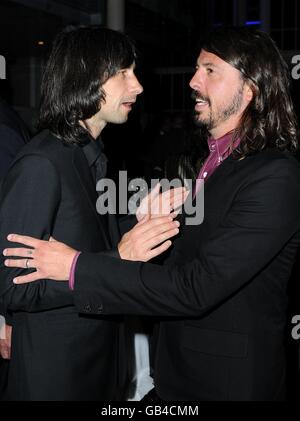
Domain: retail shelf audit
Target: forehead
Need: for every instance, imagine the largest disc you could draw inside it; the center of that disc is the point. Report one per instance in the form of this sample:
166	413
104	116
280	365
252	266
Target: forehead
206	58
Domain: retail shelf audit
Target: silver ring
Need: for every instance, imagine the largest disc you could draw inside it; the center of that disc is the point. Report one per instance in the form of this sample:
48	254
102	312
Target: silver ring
27	267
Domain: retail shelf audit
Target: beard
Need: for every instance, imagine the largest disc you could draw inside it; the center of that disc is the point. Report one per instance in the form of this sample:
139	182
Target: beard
222	114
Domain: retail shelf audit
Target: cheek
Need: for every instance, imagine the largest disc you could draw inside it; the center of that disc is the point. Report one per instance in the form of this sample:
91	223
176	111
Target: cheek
110	103
220	94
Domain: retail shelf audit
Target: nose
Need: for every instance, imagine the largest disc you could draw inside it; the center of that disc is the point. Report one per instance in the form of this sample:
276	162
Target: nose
136	86
196	81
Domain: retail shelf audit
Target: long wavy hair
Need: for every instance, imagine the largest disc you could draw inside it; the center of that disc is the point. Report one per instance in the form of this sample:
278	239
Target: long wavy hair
269	121
81	61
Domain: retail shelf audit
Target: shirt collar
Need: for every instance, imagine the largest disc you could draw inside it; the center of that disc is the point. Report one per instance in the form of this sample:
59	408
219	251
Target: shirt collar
223	146
92	149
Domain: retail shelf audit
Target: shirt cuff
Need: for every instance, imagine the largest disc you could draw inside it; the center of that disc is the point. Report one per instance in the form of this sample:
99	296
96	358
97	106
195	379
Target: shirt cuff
72	271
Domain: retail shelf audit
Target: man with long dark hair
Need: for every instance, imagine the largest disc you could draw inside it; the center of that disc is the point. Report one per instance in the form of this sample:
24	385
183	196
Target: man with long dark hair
223	289
50	189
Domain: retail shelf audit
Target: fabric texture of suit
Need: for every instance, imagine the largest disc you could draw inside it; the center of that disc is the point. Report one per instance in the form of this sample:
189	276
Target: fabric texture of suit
56	353
221	294
13	136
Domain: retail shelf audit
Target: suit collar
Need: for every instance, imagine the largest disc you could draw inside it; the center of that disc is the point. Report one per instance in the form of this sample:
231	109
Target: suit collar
221	173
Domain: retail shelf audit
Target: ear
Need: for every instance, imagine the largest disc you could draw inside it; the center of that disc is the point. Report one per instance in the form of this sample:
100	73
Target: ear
249	92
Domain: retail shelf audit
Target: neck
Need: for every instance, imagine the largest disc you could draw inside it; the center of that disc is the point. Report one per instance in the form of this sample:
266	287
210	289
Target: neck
227	126
217	133
94	129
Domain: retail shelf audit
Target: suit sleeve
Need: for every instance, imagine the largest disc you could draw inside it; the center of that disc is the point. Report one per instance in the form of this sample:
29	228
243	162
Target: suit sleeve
30	198
263	218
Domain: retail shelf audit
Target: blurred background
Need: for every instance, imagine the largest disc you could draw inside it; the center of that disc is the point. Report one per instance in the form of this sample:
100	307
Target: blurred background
167	35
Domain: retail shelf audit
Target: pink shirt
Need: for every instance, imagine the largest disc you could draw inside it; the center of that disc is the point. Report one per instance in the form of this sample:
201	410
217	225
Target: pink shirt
219	150
72	270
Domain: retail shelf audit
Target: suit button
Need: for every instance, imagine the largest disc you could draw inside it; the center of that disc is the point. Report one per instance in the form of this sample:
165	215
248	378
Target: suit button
88	308
100	309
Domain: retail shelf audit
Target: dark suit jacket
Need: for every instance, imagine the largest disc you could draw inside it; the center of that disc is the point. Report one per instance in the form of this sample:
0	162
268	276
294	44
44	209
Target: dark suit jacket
223	289
13	135
56	353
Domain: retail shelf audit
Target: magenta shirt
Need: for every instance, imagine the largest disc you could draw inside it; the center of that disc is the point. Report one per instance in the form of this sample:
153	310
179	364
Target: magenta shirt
219	150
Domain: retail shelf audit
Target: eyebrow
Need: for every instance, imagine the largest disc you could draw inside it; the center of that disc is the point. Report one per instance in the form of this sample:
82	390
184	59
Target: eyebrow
208	64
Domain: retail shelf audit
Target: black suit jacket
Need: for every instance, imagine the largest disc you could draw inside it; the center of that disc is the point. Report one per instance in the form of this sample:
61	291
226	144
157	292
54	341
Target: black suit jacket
56	353
13	135
221	295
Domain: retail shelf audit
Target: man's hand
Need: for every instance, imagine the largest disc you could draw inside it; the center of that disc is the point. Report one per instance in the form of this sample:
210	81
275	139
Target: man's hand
51	259
5	341
157	204
141	242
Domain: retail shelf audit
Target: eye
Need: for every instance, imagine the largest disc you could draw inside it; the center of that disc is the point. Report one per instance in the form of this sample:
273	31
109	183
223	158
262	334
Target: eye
123	72
209	70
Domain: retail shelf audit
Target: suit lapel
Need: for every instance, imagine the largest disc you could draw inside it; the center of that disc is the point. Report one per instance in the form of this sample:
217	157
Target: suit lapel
87	183
212	185
221	173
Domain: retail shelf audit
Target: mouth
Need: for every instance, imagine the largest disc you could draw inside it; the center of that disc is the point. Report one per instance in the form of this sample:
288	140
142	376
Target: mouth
128	104
200	104
200	101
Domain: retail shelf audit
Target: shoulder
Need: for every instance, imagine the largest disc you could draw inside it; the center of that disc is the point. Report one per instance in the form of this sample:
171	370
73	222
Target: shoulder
44	142
39	156
32	175
46	145
32	166
270	163
267	175
271	177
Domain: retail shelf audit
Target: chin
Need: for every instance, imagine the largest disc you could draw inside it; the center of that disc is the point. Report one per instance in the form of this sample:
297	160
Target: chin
120	120
200	123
